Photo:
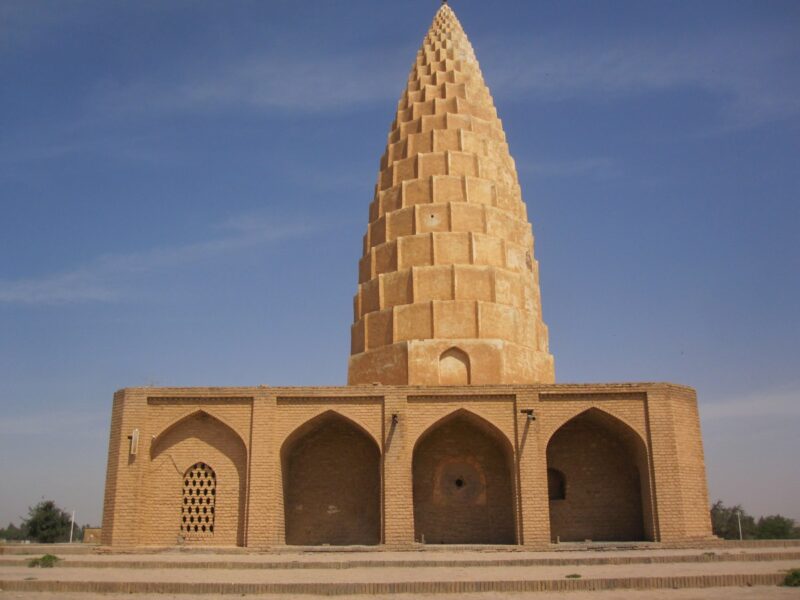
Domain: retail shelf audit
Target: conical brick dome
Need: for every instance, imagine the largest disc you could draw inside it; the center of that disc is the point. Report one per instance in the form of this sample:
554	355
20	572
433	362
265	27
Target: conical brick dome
448	287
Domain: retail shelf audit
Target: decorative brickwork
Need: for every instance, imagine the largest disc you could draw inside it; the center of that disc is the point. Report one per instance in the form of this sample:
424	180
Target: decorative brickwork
177	505
383	467
448	261
464	438
199	500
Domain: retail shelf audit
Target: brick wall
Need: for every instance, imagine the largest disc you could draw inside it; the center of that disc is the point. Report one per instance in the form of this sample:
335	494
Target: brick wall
463	484
332	476
603	499
650	429
198	438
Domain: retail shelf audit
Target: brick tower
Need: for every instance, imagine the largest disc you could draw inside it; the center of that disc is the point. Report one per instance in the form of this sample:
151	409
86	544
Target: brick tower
468	440
448	289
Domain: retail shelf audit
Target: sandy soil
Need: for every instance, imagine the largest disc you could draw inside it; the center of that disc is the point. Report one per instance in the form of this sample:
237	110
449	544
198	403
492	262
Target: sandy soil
755	593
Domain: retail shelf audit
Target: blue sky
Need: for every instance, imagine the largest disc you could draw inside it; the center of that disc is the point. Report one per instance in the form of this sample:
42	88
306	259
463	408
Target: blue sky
184	187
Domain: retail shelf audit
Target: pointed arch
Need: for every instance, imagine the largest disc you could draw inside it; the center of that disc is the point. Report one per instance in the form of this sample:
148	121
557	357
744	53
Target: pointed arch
612	420
197	438
316	421
463	484
331	474
454	367
194	414
473	417
605	467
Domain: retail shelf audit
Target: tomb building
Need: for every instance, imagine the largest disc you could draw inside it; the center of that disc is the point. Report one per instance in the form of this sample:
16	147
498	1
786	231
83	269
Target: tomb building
451	429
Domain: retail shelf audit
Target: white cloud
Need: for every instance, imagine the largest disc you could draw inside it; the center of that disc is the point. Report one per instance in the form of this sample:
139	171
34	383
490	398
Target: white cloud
778	402
597	167
751	72
104	279
269	82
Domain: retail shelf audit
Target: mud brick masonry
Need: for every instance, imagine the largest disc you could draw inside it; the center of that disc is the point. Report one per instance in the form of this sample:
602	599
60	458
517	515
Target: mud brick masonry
451	429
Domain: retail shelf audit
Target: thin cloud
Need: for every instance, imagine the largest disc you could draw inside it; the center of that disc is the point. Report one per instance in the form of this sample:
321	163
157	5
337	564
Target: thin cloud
597	167
271	82
751	72
104	278
781	402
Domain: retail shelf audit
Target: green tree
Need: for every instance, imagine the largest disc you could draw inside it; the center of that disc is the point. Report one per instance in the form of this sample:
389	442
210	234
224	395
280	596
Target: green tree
725	522
12	533
775	527
47	523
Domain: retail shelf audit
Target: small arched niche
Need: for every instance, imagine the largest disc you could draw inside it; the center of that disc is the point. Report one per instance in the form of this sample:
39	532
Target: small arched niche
556	485
454	367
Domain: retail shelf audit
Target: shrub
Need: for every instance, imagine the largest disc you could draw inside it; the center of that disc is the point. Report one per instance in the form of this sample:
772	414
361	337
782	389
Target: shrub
573	576
792	578
47	561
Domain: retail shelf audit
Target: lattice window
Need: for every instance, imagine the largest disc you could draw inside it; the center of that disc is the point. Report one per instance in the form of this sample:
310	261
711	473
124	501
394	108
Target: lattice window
199	499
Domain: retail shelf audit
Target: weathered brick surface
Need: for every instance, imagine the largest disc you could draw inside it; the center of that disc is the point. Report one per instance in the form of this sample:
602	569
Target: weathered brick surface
448	319
448	287
249	434
409	587
603	496
332	474
463	484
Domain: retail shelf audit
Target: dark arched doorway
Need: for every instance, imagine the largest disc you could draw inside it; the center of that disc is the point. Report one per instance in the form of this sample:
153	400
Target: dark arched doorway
598	480
331	483
463	484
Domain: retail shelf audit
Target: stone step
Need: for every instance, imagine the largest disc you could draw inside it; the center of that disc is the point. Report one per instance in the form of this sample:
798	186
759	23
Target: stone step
376	561
391	580
404	587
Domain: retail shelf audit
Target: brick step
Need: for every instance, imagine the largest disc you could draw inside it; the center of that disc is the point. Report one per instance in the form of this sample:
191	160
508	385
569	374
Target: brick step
402	587
222	562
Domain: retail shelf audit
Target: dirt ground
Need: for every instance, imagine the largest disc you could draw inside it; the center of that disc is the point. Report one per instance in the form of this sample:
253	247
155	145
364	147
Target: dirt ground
754	593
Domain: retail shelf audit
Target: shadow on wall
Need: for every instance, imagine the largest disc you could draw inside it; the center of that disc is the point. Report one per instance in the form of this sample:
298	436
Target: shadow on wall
463	483
331	483
598	481
454	367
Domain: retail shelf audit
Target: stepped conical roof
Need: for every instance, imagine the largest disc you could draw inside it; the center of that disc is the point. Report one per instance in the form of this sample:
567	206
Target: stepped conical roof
448	287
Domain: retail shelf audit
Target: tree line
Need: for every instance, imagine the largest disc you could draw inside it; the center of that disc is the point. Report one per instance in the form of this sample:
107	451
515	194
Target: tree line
725	524
47	523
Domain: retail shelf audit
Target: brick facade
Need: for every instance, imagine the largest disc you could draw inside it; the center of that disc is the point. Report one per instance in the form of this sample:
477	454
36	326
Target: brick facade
631	455
452	419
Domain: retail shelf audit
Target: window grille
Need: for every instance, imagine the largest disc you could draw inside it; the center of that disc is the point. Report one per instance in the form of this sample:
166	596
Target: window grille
199	500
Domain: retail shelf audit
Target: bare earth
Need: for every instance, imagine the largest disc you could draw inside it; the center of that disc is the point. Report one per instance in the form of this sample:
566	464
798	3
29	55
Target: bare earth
755	593
109	568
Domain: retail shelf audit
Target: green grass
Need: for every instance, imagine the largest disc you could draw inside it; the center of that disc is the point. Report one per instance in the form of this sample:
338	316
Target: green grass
47	561
792	578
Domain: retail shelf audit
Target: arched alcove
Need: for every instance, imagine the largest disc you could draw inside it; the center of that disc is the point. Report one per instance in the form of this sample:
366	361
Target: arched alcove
463	483
197	439
606	493
331	483
454	367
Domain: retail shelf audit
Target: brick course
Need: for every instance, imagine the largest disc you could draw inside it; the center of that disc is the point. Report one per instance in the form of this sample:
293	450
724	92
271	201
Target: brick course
451	380
236	428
